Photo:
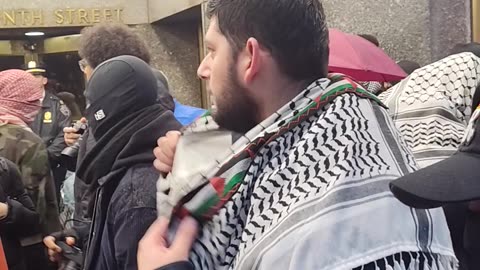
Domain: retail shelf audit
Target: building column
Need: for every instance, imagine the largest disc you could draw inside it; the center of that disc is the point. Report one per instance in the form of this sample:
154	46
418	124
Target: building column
450	24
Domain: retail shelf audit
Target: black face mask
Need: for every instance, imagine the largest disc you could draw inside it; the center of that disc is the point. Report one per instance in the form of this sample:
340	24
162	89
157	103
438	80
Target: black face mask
118	87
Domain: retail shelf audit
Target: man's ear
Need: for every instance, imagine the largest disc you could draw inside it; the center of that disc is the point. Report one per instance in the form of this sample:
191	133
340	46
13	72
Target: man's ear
252	60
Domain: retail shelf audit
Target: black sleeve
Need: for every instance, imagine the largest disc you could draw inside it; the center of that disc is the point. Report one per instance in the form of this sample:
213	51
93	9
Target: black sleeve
82	230
20	218
68	162
25	200
64	120
177	266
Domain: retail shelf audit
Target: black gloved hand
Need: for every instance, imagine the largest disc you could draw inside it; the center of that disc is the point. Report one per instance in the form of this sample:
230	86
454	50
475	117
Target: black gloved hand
61	235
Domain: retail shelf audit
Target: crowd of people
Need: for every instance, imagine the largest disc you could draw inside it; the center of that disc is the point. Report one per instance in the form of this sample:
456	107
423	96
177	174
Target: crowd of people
292	168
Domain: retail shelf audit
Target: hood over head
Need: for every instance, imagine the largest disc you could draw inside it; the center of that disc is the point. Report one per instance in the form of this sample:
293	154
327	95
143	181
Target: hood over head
118	87
163	91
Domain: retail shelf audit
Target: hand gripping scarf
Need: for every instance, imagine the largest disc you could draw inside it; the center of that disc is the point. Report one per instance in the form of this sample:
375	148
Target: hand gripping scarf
432	107
20	96
305	189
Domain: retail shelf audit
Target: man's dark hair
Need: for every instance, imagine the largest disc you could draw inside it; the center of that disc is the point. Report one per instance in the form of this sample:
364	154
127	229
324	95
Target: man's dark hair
295	32
472	47
108	40
371	38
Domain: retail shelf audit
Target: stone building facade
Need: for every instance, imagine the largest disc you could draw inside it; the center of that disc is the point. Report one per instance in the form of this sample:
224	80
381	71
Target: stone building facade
419	30
172	30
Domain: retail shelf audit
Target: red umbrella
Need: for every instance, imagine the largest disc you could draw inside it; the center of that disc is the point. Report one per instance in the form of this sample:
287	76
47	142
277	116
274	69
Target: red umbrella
358	58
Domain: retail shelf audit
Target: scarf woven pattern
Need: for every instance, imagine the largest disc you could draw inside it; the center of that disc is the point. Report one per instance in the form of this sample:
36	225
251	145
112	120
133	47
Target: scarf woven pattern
308	189
431	108
20	96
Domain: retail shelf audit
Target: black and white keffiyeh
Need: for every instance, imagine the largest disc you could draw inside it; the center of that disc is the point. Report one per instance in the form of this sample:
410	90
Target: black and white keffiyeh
317	197
373	87
432	107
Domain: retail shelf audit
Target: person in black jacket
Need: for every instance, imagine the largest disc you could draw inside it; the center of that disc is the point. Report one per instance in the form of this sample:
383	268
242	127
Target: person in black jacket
52	118
18	220
98	44
125	119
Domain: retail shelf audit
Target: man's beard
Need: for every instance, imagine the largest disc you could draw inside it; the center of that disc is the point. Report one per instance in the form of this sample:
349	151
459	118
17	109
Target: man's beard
235	109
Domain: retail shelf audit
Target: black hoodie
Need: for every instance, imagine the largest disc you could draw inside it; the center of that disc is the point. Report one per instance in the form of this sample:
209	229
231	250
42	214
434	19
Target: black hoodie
126	121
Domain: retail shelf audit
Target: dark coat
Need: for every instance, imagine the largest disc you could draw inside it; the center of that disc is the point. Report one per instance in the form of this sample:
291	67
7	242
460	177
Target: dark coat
123	213
49	124
22	224
28	152
126	121
87	141
125	201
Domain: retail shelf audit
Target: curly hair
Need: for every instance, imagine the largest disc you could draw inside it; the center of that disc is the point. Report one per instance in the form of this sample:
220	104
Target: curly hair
108	40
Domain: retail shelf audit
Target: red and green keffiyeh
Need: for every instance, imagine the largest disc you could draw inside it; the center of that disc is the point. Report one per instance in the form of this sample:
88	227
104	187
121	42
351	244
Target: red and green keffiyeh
310	179
205	200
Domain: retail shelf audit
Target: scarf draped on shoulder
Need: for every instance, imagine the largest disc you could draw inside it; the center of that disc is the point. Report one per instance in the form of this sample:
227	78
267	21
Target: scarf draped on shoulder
305	189
432	107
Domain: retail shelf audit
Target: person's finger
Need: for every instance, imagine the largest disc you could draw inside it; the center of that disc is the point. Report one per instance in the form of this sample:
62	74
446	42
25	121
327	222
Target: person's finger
164	151
169	136
72	136
52	252
173	134
185	236
161	140
68	130
69	142
54	258
168	160
157	233
49	242
172	139
157	152
83	120
70	241
165	147
168	154
164	161
161	167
